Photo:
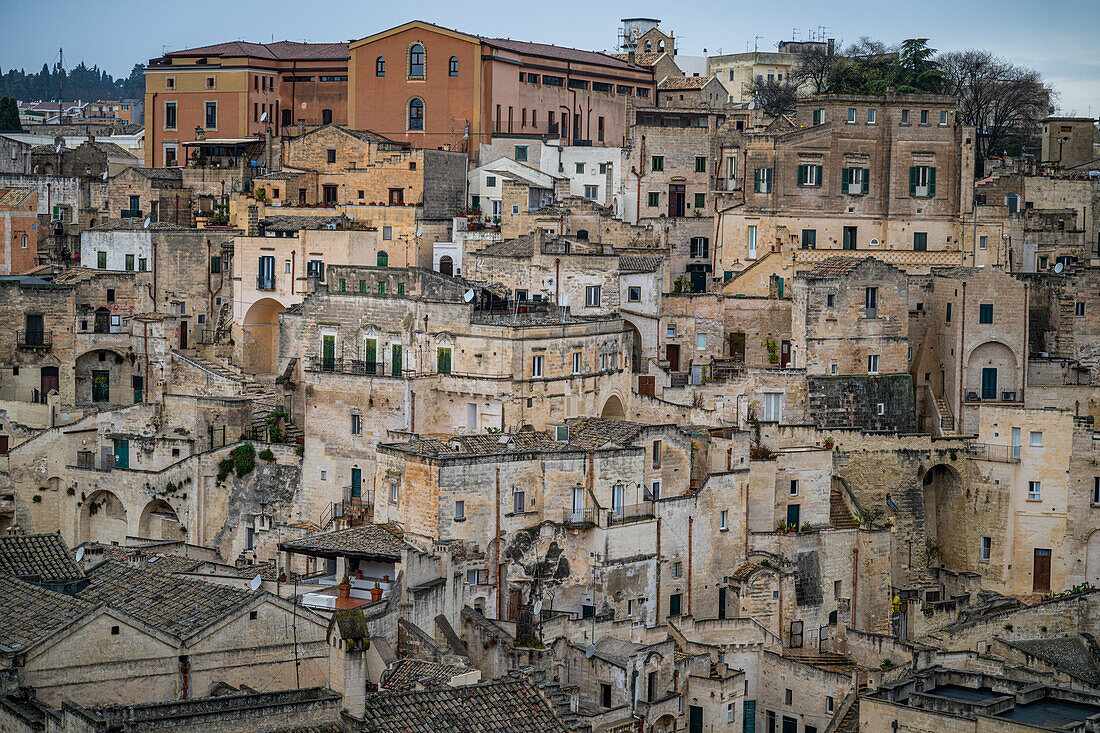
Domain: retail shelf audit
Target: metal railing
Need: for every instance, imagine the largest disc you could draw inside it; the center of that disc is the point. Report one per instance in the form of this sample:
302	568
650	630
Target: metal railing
578	518
990	452
265	283
34	339
631	513
353	507
343	365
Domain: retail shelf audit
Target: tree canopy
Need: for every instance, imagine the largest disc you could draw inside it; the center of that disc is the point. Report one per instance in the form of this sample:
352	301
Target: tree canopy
79	83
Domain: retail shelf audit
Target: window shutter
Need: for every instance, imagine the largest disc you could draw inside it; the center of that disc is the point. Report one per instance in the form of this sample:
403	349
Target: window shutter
931	181
912	180
756	180
768	179
819	178
801	175
866	180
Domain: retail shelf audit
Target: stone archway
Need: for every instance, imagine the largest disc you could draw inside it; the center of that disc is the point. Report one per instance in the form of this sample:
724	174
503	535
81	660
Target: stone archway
941	486
613	408
664	724
103	519
990	372
159	521
102	377
260	341
1092	558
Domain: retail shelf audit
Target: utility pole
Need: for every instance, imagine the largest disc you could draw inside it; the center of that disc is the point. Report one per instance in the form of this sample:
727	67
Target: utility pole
756	43
60	73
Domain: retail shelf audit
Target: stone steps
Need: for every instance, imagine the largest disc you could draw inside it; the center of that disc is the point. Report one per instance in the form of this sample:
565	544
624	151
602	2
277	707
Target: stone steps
839	516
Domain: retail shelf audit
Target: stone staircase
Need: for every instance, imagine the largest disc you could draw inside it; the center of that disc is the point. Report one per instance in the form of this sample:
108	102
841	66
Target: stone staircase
263	394
839	516
947	425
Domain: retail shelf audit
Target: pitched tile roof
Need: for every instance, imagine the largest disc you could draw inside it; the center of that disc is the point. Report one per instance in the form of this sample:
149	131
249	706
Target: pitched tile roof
158	174
1070	654
521	246
10	197
836	266
639	263
133	223
745	570
29	613
561	53
295	223
37	557
641	59
408	674
595	432
684	82
365	540
279	50
177	606
501	706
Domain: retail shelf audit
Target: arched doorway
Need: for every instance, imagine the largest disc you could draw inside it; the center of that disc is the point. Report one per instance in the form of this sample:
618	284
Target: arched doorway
160	522
613	408
941	485
664	724
103	519
101	376
446	265
1092	558
260	342
991	372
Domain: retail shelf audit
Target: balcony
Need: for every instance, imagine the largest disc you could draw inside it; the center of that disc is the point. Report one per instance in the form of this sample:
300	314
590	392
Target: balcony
579	518
989	452
1005	396
265	283
34	339
631	513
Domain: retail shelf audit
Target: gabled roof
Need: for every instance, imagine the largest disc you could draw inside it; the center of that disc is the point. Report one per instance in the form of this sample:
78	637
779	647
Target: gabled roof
639	263
561	53
11	197
279	50
38	558
1074	655
364	135
641	59
365	540
684	82
157	174
501	706
596	432
177	606
407	674
836	266
29	614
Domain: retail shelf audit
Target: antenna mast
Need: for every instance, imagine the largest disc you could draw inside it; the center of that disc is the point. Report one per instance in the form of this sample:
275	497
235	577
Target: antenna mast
60	76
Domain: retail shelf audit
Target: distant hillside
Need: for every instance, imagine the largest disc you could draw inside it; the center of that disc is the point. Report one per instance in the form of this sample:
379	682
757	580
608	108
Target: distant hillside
81	82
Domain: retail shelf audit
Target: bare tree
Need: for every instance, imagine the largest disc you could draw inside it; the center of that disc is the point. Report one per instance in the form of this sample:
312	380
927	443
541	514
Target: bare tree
774	97
997	98
817	67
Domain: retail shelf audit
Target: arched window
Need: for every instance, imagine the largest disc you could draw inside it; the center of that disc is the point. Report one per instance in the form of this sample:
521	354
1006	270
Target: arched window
326	117
380	66
416	60
383	259
648	46
25	236
416	114
454	66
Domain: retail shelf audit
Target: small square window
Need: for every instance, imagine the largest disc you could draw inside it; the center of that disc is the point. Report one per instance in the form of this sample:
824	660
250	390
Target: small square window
654	199
331	153
1037	438
633	294
580	167
1034	490
253	615
115	630
657	163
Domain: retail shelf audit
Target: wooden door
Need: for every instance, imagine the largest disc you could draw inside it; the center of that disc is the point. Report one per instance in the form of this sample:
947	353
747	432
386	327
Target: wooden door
721	603
101	386
49	381
328	352
647	386
676	200
446	265
695	719
672	352
122	453
183	335
784	354
1040	579
356	483
370	355
737	346
989	383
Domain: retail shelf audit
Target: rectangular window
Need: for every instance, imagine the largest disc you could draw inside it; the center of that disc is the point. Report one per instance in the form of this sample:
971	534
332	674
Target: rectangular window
330	155
762	180
387	233
856	181
101	260
700	341
943	117
924	117
920	241
949	313
809	175
818	116
922	181
592	296
657	163
773	406
577	357
872	363
521	150
215	264
1037	438
1034	490
356	424
443	360
752	243
212	115
129	262
809	238
316	268
794	487
460	513
830	705
1079	309
700	200
723	519
985	549
870	302
981	242
1096	490
592	192
143	264
830	300
654	199
700	247
676	572
579	167
851	115
169	115
700	164
985	313
905	117
382	288
518	503
634	294
536	367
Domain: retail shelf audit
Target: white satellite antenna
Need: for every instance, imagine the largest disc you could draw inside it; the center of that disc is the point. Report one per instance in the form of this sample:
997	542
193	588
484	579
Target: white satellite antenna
420	230
469	296
1058	268
105	175
147	220
79	554
538	607
58	148
591	650
256	582
263	117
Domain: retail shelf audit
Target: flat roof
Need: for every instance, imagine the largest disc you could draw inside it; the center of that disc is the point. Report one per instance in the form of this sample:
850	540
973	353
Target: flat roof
1050	712
967	694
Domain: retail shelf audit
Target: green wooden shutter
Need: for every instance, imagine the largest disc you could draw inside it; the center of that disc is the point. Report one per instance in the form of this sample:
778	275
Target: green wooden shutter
820	176
866	180
931	181
756	180
443	361
912	180
845	178
802	175
395	361
370	355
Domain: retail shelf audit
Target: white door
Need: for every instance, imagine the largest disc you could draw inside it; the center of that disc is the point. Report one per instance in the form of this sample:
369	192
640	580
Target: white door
578	503
1016	443
471	417
752	243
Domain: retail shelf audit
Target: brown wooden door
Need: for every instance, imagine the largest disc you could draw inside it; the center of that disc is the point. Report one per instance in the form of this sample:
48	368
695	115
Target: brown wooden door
3	445
514	599
737	346
784	354
49	381
673	353
676	200
446	265
647	386
183	335
1040	579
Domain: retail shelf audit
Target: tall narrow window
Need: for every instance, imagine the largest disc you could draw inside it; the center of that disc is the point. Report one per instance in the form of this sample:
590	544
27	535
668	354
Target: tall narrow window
452	67
416	114
416	60
380	66
212	115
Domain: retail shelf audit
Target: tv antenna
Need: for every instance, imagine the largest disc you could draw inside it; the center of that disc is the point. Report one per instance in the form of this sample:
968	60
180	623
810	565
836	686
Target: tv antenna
756	43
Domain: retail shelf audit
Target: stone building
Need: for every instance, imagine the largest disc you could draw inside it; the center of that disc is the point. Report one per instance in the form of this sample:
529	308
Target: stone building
87	159
1068	141
855	173
15	155
19	229
704	92
737	71
150	193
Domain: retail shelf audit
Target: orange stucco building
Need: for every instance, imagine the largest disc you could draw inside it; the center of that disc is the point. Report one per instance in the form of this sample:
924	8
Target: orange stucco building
19	230
436	87
237	90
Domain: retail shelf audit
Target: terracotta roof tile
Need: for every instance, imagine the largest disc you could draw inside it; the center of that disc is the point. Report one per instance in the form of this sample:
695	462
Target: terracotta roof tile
280	50
366	539
684	82
29	613
559	52
38	558
408	674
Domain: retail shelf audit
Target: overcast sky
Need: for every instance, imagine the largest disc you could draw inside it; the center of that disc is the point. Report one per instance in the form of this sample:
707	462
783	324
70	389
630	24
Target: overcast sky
1058	39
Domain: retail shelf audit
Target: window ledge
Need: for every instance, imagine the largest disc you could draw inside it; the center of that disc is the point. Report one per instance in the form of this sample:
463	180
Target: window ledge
723	529
460	519
1034	501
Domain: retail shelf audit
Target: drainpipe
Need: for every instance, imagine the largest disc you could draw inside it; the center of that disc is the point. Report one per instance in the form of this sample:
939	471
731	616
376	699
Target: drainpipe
962	346
496	552
185	676
691	521
145	342
855	581
1027	313
658	606
557	279
293	269
779	616
746	490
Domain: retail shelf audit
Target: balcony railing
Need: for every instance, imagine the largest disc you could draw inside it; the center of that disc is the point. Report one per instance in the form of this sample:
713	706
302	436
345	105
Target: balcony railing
265	283
34	339
1003	453
631	513
352	366
578	518
1005	396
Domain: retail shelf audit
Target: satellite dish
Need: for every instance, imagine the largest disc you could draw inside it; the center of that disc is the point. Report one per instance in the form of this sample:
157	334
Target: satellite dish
153	559
263	117
79	554
256	582
420	230
147	220
1058	268
591	650
105	175
469	296
58	148
538	607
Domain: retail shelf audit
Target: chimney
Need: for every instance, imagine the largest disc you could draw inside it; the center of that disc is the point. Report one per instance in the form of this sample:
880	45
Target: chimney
253	220
348	645
832	46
